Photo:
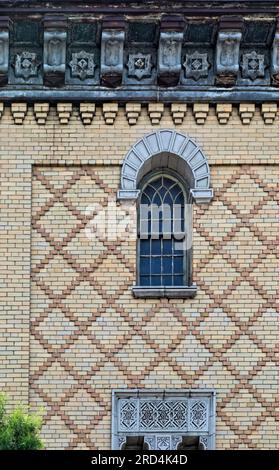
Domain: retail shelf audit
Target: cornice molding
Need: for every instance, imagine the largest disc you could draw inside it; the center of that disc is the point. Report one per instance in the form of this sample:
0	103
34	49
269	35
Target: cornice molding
170	59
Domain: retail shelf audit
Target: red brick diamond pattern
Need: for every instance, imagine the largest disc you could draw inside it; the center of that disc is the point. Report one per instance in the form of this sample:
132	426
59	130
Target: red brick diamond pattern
89	335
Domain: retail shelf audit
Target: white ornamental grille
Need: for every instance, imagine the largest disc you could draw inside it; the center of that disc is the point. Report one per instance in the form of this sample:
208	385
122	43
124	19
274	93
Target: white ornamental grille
151	415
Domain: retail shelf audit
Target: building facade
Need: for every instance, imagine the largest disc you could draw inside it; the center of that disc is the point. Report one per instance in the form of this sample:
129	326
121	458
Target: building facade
126	339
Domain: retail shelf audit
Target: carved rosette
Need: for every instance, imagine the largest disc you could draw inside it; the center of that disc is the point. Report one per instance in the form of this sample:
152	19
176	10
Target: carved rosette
26	65
253	65
196	65
82	65
139	65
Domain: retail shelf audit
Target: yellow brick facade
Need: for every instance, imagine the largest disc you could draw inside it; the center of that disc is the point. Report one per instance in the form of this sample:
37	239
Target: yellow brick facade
72	330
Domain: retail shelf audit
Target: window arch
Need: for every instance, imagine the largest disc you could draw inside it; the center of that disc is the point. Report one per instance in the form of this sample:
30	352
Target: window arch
166	148
164	231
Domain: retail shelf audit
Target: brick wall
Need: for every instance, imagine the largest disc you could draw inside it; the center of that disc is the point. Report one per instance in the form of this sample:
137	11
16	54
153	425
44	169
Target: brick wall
87	331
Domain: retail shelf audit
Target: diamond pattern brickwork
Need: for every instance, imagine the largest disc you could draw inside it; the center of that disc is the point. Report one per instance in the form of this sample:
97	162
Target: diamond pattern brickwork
89	335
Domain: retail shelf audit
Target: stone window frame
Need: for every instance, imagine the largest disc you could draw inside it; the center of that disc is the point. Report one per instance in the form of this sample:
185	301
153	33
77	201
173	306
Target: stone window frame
171	150
191	396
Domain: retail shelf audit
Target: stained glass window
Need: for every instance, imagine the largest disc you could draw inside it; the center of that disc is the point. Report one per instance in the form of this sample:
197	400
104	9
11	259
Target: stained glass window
162	233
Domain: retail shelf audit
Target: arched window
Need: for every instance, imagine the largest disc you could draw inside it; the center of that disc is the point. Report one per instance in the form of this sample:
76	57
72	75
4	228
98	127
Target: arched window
164	232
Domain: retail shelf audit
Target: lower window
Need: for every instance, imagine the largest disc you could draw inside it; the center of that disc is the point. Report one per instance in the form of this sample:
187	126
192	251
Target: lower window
163	420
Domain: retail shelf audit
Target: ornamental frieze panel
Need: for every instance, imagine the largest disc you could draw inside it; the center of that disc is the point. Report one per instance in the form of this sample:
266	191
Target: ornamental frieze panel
163	420
139	66
253	65
160	415
112	53
196	65
82	65
26	65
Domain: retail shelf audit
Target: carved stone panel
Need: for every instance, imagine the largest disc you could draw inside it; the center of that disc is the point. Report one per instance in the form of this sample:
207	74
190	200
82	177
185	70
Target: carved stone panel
162	415
112	48
163	442
83	53
275	60
82	65
196	65
139	65
253	65
54	51
26	65
198	415
163	419
90	52
151	442
227	57
26	53
4	50
169	58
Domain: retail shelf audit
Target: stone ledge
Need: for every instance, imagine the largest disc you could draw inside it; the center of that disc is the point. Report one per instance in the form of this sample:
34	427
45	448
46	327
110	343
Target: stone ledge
168	292
201	195
128	194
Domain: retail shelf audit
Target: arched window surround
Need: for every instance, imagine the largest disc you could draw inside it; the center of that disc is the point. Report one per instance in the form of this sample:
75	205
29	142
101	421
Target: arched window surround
166	148
170	151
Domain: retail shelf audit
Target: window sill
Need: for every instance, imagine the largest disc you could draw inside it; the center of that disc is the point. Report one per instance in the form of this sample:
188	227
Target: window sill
182	292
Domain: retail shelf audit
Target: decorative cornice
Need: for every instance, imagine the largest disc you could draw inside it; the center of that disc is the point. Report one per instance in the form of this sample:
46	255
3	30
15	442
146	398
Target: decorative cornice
170	58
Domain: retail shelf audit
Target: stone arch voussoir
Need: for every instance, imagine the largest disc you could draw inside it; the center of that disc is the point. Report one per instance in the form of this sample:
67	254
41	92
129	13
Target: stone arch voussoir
172	143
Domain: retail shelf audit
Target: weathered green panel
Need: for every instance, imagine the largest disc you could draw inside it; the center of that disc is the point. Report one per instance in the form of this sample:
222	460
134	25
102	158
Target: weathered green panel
199	32
26	32
256	32
142	32
83	33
